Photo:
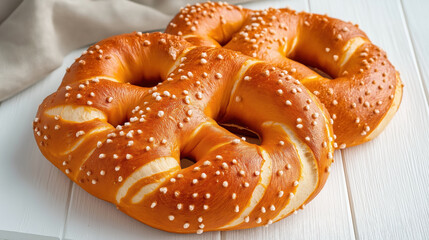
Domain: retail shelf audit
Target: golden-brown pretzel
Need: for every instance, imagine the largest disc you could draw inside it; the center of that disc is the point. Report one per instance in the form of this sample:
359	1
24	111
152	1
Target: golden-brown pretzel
123	142
366	90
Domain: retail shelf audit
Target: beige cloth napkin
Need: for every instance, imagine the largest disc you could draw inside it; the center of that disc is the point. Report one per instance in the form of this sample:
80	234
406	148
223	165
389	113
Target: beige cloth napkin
35	35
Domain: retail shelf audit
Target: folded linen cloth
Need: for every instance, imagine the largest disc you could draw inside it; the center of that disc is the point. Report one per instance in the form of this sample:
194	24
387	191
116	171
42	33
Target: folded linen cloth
36	35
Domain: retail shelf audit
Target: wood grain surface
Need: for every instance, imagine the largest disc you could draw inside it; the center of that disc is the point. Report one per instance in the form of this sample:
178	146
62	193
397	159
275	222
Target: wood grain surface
378	190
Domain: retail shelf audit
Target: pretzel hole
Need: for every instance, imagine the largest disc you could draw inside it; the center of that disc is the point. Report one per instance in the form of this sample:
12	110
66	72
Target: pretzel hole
226	39
147	82
242	132
186	162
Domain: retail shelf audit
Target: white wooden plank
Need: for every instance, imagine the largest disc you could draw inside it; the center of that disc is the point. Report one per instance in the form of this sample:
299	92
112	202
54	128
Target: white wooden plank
328	215
388	176
34	194
91	218
416	17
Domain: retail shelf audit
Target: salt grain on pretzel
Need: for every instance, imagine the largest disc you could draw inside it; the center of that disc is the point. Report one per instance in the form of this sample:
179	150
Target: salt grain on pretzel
136	164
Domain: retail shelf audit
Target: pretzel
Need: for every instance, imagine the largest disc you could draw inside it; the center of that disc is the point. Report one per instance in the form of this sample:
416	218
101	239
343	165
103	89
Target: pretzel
122	140
365	91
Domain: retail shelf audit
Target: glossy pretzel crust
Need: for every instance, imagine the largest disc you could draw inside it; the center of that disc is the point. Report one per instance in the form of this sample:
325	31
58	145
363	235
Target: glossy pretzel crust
122	142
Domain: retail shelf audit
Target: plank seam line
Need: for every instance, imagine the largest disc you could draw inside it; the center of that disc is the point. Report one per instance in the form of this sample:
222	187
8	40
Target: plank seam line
349	196
413	52
68	204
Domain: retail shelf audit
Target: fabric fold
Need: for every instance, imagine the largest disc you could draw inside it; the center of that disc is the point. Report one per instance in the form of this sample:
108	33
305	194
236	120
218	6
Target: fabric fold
36	35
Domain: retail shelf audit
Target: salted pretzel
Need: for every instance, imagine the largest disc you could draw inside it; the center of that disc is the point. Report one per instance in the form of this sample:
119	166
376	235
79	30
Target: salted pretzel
365	91
122	141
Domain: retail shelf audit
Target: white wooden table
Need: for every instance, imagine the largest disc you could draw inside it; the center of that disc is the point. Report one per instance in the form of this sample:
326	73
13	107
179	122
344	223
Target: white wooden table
378	190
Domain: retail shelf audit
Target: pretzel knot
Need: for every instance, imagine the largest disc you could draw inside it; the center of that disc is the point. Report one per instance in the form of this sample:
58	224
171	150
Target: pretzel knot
122	140
365	91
